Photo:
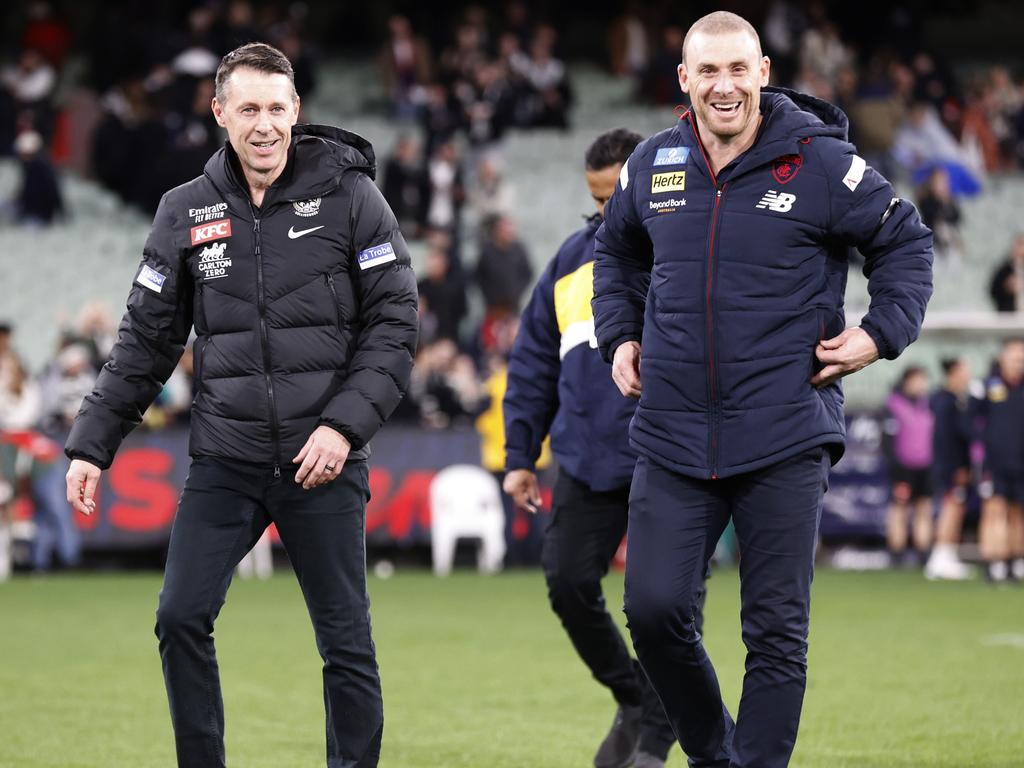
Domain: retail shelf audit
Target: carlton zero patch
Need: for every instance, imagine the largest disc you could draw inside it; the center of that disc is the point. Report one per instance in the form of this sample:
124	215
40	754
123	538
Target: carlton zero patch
150	278
668	182
215	231
671	156
378	254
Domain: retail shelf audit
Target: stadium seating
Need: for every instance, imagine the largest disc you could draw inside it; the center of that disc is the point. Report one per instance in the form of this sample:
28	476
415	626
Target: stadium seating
47	275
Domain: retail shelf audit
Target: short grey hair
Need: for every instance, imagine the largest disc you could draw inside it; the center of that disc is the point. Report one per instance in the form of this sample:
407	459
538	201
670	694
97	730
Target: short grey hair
720	23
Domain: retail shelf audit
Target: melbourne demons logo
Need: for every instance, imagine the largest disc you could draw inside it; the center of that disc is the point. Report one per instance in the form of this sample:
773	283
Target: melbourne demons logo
785	168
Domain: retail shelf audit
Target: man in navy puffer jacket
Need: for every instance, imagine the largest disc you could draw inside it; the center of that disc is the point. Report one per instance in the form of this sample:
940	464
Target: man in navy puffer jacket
723	256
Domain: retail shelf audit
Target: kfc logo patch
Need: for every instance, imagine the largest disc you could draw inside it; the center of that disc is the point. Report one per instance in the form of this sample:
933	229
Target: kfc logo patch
785	168
215	231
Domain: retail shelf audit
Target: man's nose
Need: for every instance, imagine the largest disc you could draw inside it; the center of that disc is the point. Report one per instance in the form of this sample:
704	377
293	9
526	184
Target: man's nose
263	124
724	83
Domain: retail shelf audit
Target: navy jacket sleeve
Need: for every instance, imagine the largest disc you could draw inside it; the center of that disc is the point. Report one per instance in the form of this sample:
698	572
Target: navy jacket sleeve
897	248
622	269
150	341
531	397
388	321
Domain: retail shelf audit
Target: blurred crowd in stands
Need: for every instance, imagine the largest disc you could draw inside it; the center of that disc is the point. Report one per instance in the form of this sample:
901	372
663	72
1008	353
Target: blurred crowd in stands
129	107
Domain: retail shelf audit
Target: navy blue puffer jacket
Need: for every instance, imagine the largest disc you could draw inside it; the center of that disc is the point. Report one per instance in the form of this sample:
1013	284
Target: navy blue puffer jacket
747	271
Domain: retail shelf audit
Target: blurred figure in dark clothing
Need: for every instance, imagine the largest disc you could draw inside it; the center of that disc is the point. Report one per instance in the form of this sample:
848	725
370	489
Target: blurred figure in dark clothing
660	84
1007	284
39	199
442	294
940	212
503	271
951	468
405	65
406	186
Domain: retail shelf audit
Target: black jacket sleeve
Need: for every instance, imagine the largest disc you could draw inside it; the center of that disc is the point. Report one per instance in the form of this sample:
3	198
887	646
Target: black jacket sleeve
388	322
150	341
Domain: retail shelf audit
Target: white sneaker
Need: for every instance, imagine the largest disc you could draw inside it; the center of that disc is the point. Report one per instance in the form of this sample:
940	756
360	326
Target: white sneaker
1017	569
998	571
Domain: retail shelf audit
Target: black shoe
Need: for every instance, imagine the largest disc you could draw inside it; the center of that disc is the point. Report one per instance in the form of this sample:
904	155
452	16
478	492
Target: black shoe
647	760
619	748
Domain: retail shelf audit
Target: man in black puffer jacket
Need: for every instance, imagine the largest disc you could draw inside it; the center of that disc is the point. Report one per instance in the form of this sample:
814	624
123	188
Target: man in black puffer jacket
289	264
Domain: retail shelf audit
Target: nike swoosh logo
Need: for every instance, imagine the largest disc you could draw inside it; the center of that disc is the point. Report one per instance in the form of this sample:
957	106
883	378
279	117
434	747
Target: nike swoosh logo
292	234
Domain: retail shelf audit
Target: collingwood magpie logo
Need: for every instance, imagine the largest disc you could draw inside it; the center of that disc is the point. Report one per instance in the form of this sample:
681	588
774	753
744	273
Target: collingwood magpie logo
212	261
780	202
307	208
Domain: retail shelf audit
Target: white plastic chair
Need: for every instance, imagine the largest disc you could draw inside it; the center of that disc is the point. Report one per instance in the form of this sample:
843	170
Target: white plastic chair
465	502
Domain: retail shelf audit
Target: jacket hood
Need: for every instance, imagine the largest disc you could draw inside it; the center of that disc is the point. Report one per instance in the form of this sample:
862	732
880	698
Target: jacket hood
791	115
318	157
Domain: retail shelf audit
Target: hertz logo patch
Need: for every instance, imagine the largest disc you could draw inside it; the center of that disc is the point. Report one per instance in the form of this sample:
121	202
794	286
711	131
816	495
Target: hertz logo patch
668	182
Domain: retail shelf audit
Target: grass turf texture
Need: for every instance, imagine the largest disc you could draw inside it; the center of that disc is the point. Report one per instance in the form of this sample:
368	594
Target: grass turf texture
477	672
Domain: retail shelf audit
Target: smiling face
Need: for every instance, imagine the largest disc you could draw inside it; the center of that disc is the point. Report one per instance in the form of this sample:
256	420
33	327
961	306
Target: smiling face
258	113
723	74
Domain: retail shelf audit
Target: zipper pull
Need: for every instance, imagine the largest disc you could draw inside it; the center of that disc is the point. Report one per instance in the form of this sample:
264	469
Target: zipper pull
330	279
277	471
719	193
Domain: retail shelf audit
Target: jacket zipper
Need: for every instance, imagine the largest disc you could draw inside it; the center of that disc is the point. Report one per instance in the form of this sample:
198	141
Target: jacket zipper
265	347
329	279
716	405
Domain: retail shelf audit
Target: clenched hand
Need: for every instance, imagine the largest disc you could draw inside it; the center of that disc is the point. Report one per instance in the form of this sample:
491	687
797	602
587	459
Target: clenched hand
521	486
626	369
847	353
322	457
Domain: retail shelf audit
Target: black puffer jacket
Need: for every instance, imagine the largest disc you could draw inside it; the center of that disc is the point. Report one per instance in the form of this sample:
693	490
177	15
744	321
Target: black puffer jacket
304	308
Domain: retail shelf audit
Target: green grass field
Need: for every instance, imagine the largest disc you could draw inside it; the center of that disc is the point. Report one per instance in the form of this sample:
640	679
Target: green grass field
477	673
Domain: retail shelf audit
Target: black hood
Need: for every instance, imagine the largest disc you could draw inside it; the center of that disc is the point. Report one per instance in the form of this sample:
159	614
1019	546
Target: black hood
318	157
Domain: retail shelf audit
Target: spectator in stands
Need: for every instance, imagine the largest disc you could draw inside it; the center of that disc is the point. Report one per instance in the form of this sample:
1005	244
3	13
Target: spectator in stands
447	192
20	398
951	468
659	84
406	186
39	200
445	385
941	213
924	143
503	271
1007	284
405	64
442	294
31	83
1001	530
910	425
489	105
546	76
628	47
493	195
441	117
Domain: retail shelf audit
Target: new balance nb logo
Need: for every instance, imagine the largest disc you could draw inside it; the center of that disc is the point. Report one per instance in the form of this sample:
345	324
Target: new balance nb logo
780	202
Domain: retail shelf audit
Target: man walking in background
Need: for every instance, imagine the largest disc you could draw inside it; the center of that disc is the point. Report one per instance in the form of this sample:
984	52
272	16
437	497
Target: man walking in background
291	267
718	293
558	384
1001	530
951	468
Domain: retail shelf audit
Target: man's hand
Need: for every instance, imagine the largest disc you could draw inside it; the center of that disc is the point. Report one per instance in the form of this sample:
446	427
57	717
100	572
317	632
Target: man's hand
82	479
521	486
322	457
847	353
626	369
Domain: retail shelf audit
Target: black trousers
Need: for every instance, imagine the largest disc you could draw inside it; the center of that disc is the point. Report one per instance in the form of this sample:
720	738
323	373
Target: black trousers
224	509
584	532
674	524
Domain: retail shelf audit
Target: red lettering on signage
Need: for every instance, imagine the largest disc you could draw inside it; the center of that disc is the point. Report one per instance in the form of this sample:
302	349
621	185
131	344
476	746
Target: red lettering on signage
146	500
409	505
213	231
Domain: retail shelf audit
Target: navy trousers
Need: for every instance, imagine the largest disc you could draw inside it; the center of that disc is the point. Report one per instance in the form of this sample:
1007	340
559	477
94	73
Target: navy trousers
224	509
674	524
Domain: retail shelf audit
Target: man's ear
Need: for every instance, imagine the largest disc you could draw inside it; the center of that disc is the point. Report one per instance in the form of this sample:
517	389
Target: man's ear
218	112
684	79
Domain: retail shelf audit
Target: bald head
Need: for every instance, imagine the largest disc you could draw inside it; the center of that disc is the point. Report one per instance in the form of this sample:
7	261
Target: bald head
721	23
